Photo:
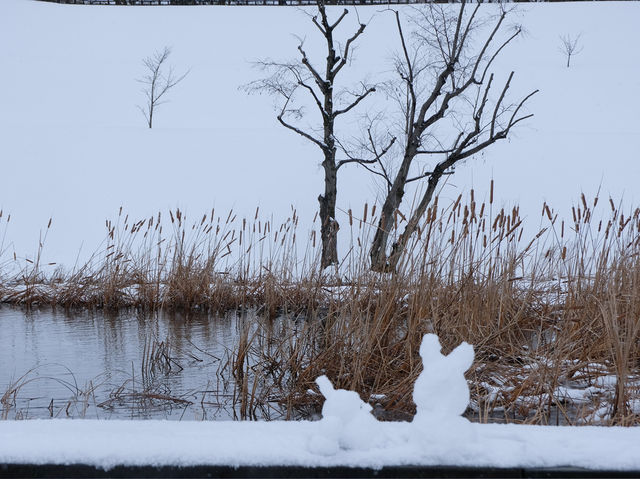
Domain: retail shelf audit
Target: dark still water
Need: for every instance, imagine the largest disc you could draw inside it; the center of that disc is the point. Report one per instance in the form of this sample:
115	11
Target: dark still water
94	365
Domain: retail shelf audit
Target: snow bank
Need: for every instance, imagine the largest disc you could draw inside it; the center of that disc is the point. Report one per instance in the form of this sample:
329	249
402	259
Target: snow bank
110	443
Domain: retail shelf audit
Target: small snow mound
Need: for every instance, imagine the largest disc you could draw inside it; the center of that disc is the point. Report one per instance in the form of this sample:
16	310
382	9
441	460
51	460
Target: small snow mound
346	422
441	392
340	403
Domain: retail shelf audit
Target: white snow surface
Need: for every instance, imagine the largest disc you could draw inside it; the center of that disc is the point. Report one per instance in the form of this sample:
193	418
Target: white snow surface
110	443
346	435
74	146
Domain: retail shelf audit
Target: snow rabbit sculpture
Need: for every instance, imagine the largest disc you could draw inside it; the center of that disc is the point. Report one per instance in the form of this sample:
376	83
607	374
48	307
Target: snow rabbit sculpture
346	423
441	392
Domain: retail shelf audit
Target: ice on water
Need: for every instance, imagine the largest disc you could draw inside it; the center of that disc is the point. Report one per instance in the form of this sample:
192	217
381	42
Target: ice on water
441	394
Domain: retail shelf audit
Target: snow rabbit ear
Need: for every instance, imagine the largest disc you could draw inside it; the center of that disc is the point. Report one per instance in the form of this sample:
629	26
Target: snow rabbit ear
326	388
430	346
462	356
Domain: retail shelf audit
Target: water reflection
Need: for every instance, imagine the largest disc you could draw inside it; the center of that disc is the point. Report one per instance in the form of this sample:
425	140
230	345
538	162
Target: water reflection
129	365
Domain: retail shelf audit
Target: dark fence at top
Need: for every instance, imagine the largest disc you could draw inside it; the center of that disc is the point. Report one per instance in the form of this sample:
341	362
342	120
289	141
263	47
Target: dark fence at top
264	2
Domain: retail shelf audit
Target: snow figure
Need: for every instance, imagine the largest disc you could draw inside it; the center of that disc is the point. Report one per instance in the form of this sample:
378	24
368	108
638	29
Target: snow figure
346	422
441	392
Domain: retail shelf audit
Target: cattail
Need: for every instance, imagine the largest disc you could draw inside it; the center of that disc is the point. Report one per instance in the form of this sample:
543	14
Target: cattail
495	223
513	228
457	202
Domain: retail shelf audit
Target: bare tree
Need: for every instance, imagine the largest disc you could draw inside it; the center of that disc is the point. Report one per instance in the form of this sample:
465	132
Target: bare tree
300	80
158	80
570	46
443	83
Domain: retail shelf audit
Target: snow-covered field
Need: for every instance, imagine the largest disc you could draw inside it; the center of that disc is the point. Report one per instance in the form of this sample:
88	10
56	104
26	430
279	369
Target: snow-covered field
73	145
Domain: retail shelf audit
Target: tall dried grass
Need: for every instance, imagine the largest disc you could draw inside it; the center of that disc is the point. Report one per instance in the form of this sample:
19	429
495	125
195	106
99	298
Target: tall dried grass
549	311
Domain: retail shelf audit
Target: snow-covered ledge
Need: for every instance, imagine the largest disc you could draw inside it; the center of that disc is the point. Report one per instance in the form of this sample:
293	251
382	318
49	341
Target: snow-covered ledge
348	435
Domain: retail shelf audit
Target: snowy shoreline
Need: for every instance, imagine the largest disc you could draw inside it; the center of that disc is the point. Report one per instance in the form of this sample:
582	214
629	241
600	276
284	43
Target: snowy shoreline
347	435
107	444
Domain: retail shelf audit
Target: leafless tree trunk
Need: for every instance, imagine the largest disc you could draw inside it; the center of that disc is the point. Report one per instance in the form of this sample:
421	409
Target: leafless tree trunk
443	46
302	76
157	82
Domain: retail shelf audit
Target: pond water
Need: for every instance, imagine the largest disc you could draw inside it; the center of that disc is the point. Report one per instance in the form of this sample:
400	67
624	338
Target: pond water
197	367
129	365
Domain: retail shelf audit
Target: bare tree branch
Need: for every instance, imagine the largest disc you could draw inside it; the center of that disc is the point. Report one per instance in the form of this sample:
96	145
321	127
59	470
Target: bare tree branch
354	103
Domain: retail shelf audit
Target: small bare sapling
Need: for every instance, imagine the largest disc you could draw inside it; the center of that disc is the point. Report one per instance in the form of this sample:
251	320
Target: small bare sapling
570	46
158	80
